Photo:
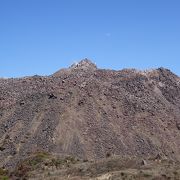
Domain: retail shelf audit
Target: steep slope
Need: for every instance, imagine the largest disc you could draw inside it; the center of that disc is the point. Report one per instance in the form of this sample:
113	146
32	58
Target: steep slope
89	112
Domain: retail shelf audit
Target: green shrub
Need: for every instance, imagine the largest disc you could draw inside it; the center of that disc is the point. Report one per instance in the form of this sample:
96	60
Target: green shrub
4	178
3	172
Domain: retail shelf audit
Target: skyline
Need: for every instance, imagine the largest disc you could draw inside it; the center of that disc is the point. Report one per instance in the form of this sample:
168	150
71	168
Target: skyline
43	36
75	62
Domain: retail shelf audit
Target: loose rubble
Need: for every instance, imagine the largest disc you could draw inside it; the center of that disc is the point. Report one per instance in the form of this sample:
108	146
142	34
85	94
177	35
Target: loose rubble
89	112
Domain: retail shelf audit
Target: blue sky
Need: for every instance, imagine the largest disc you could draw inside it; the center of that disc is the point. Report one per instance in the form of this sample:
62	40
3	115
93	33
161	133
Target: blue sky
42	36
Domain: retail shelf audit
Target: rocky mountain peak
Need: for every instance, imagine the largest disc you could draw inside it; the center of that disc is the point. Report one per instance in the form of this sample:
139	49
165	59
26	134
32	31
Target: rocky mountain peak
88	113
84	64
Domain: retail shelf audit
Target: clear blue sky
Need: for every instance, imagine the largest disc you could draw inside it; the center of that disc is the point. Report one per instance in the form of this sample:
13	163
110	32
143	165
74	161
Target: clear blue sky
42	36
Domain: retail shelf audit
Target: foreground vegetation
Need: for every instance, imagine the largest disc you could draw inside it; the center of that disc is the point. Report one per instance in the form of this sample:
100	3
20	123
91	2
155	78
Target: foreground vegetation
45	166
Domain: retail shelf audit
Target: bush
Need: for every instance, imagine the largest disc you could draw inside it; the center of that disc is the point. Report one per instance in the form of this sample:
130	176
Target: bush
3	172
4	178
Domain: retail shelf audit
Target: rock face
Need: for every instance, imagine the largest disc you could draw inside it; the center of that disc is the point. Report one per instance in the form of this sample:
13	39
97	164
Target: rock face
85	65
89	113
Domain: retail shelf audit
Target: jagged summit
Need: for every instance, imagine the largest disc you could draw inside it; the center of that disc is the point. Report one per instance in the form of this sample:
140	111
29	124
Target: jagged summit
84	64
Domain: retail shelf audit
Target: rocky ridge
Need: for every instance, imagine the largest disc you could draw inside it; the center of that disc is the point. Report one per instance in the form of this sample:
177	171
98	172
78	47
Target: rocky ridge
89	112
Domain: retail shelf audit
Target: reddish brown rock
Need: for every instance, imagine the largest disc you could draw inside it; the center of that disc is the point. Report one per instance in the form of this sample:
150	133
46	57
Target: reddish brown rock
89	113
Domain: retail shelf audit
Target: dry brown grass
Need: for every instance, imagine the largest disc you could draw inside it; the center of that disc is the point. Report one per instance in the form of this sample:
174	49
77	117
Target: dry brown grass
45	166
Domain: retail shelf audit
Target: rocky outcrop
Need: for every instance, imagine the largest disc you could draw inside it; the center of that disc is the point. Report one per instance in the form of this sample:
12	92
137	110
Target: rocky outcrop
89	113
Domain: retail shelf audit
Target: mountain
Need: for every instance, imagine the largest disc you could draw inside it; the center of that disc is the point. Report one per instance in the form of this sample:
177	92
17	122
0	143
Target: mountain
89	113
